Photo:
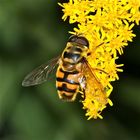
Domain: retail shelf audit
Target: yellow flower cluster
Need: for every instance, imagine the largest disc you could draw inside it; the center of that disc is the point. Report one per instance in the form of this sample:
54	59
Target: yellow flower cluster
107	24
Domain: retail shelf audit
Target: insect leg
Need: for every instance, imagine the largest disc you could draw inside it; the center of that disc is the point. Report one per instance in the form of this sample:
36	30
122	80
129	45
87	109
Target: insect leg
82	86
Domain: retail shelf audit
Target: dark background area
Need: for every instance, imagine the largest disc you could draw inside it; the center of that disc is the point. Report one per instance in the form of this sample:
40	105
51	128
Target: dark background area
31	33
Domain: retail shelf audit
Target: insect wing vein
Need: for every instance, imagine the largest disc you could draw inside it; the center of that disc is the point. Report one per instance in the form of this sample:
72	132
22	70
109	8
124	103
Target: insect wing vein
40	74
95	81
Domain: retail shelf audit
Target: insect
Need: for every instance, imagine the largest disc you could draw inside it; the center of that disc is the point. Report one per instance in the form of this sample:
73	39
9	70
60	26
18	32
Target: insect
70	74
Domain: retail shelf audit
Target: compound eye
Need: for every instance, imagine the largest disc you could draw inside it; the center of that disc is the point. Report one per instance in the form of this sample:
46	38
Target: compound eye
79	40
73	38
83	41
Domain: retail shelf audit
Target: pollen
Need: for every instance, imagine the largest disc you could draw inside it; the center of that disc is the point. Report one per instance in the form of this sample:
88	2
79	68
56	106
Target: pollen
107	24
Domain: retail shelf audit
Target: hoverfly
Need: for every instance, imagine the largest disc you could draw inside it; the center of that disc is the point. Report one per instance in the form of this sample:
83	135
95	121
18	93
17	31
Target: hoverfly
70	77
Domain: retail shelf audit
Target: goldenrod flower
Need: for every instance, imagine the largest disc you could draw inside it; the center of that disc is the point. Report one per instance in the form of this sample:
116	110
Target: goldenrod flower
109	23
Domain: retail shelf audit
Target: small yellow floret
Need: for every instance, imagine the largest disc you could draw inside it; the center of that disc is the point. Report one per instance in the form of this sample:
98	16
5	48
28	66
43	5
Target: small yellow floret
106	22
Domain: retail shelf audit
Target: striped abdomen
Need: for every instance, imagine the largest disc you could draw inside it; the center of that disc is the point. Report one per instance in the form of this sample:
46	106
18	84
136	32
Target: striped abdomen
69	73
67	84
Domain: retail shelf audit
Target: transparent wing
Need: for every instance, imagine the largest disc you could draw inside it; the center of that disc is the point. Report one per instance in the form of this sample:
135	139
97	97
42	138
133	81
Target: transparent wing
40	74
88	70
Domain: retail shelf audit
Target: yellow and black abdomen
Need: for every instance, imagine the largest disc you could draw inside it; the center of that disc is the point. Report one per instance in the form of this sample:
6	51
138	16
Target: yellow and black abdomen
68	74
67	84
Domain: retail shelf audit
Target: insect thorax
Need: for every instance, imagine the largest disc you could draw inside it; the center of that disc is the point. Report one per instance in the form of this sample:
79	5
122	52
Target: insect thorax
72	55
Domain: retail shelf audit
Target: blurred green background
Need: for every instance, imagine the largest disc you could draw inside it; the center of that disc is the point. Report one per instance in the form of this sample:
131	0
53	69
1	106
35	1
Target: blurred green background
31	33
